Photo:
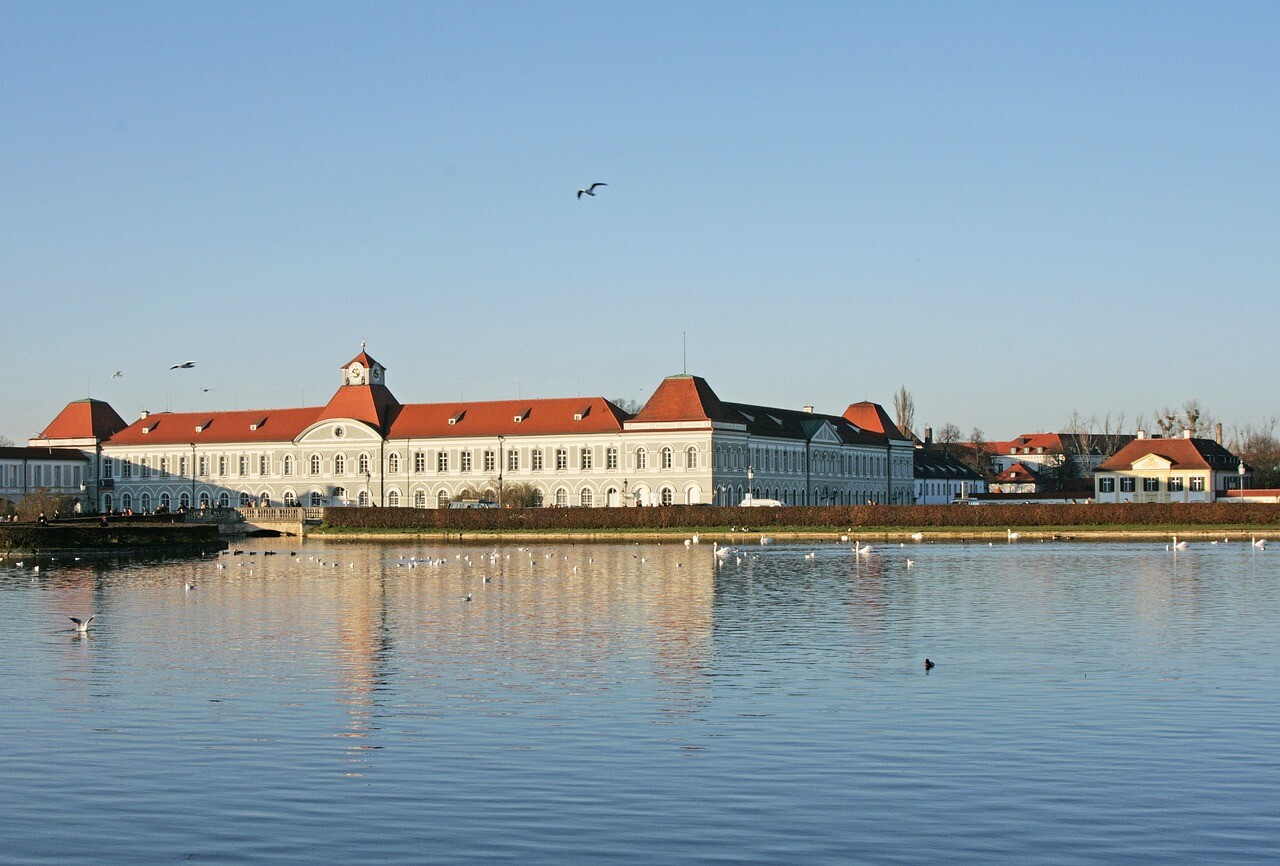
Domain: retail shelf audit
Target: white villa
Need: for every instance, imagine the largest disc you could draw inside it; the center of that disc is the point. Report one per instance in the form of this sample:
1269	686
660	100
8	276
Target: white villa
365	448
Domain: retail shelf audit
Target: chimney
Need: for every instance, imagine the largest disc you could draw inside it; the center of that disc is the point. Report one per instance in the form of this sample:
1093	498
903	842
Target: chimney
1142	434
143	415
1186	432
1217	432
928	437
808	410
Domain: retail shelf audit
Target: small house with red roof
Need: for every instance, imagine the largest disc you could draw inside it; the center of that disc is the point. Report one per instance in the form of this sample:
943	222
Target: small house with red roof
1183	469
1019	478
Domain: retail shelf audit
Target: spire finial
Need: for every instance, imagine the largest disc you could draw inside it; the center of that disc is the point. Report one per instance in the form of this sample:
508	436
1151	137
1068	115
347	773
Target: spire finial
362	345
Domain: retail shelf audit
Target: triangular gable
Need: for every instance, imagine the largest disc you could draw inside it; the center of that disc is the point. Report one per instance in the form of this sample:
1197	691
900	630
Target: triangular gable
1153	462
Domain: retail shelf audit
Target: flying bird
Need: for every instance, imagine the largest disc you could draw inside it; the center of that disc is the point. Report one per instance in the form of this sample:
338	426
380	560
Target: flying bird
117	374
82	625
206	390
185	365
591	190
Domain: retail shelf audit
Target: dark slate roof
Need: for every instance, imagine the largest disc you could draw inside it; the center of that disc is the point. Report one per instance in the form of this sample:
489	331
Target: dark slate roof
932	464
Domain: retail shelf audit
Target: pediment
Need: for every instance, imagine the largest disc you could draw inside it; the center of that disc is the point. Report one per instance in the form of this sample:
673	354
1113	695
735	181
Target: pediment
335	431
1153	462
825	435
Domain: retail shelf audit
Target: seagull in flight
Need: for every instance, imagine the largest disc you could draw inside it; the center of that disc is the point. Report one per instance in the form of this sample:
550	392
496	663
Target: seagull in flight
185	365
591	190
117	374
82	625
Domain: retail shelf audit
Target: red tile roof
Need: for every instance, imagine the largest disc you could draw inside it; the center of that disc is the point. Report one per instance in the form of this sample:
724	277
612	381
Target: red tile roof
1050	442
497	418
179	428
372	404
363	358
84	419
1017	473
871	416
684	398
1181	454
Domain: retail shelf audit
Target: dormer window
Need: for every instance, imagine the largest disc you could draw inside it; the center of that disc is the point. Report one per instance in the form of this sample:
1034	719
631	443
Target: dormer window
522	415
455	418
256	424
200	428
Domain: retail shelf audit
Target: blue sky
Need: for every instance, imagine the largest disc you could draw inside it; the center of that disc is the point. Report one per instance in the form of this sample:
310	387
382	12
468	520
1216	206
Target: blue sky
1015	210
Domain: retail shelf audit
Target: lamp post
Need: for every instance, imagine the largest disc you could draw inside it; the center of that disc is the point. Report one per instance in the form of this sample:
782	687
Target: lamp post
192	504
1240	469
751	477
501	459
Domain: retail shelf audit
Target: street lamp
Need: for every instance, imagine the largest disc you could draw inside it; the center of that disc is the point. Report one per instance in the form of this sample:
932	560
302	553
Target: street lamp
1240	469
501	458
192	503
751	477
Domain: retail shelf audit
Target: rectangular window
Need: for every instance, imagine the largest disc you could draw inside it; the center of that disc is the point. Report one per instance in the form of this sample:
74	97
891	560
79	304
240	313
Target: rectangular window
146	467
466	461
204	465
420	461
264	464
1126	484
513	460
611	458
1197	483
1150	485
182	465
1106	485
442	461
222	465
1175	484
490	461
243	464
586	458
126	469
108	467
164	467
537	459
562	459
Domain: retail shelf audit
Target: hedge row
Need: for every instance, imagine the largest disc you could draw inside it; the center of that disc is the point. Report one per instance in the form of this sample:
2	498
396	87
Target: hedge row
908	516
87	536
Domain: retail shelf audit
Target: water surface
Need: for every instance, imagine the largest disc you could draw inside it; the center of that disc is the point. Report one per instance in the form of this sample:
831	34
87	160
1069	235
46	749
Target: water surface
645	704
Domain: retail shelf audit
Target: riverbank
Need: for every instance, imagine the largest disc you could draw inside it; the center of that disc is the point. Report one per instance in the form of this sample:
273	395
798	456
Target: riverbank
751	535
17	539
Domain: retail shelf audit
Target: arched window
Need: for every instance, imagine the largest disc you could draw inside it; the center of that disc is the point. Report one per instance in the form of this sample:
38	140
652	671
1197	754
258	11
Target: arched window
288	464
393	463
316	499
611	497
537	497
314	468
166	502
245	499
126	501
362	499
184	499
442	499
642	458
363	464
339	496
264	499
586	499
420	499
666	457
204	499
145	501
393	499
339	464
224	499
691	458
667	496
562	497
290	499
107	501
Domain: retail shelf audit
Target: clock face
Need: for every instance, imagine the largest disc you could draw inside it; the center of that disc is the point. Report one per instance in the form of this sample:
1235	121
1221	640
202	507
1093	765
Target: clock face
355	374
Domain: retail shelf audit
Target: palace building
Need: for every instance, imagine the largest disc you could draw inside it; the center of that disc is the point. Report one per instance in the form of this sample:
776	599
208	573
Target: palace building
365	448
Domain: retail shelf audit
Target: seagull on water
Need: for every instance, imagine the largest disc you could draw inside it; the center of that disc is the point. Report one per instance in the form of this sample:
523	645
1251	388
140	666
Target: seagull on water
82	625
185	365
591	190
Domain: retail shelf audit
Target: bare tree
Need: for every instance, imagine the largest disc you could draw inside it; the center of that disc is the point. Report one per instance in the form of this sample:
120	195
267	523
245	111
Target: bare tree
948	439
904	411
6	442
1259	447
976	454
517	494
631	407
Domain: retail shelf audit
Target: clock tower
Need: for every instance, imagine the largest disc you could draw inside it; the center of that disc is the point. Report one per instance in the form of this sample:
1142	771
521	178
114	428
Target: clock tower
363	370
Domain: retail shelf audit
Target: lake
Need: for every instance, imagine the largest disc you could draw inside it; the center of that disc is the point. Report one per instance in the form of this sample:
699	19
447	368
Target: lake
623	703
